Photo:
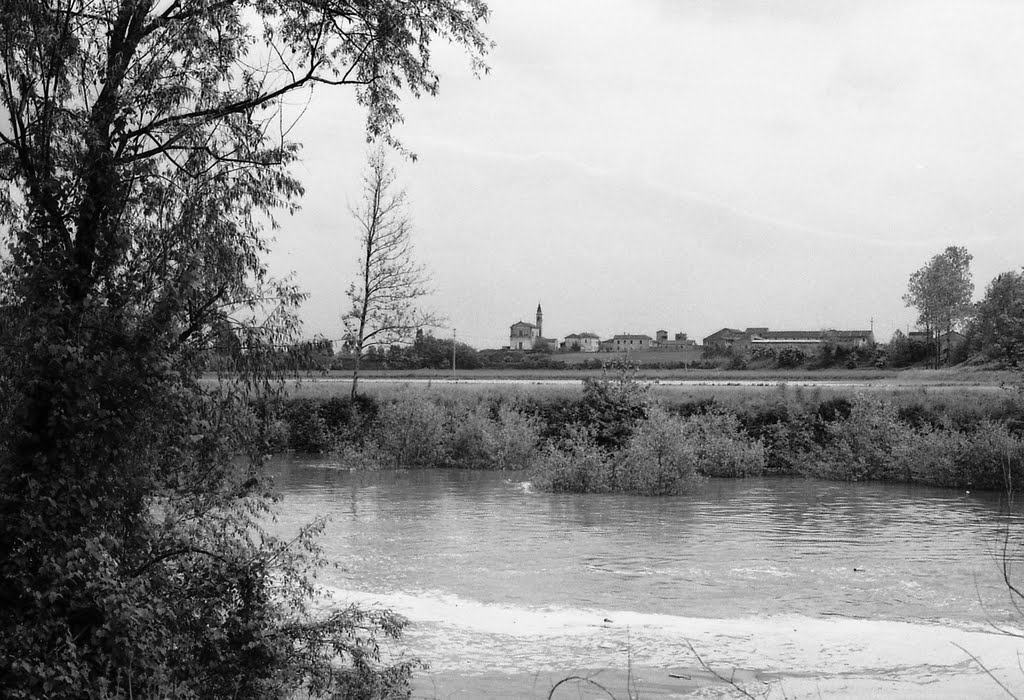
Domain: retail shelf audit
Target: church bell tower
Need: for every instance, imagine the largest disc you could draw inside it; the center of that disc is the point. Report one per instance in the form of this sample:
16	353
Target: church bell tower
540	321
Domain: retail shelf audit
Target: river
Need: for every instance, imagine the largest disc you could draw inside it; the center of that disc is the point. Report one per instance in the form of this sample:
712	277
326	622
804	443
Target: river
794	588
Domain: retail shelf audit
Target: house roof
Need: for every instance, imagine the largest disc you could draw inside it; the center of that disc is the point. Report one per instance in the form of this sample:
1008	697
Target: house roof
725	333
851	334
790	335
581	335
627	336
523	323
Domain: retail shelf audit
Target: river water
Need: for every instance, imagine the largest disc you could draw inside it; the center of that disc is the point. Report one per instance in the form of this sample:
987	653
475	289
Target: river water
791	587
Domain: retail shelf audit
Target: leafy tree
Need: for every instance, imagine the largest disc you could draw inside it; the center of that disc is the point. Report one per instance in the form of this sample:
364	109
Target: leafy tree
998	325
790	357
384	300
542	345
941	292
138	161
904	351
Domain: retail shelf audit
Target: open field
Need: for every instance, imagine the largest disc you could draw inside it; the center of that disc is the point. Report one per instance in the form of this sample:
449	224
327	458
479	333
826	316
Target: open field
674	385
638	357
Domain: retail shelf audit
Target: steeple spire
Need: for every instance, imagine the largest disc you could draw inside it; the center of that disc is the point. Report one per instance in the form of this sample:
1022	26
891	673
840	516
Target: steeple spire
540	321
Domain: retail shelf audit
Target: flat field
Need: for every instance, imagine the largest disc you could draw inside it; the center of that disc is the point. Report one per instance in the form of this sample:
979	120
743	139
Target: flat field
947	386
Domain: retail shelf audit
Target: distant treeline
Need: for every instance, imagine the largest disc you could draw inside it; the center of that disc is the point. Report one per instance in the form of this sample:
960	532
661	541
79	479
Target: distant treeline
615	438
428	352
993	332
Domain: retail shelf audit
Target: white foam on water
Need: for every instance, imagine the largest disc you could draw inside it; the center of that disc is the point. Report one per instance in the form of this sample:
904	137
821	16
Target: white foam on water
458	634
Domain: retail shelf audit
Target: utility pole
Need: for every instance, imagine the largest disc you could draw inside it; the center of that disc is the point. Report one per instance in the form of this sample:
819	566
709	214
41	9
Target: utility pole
453	353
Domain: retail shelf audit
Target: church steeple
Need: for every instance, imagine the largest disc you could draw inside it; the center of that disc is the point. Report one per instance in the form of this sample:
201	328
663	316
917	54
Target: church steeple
540	321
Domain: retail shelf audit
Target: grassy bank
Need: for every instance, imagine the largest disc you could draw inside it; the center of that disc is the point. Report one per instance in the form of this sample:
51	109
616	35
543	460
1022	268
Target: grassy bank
616	433
328	383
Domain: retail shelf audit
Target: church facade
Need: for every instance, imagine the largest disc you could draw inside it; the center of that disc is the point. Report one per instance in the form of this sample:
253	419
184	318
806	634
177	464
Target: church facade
525	336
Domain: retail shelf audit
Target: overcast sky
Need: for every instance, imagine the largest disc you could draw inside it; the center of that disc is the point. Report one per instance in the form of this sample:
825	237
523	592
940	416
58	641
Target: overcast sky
690	165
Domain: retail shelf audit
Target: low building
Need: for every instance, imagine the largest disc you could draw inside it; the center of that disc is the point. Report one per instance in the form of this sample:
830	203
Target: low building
761	337
626	342
679	342
581	342
723	340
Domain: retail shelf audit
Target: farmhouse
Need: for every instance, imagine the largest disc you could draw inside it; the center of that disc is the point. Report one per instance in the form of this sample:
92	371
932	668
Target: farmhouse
582	342
722	340
680	342
625	342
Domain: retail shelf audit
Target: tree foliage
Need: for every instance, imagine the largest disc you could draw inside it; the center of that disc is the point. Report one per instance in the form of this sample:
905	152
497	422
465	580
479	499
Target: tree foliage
998	325
389	284
941	291
139	153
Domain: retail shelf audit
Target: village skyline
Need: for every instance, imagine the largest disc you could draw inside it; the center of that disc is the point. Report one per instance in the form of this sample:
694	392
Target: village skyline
781	164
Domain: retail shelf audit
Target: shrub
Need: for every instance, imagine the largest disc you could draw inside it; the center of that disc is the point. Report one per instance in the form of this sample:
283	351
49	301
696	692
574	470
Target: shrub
720	447
307	429
790	357
658	460
574	465
613	405
412	433
993	458
486	438
930	456
861	445
511	440
467	447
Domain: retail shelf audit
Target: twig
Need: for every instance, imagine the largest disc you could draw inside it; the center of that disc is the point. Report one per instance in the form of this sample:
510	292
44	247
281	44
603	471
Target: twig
729	681
986	670
583	680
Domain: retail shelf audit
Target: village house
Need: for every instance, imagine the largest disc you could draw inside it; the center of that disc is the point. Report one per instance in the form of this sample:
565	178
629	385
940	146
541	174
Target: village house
626	342
581	342
680	342
722	340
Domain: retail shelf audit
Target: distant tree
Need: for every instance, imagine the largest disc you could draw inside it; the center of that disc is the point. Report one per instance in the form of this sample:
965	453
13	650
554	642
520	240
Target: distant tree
998	325
941	292
542	345
790	357
428	352
389	284
903	351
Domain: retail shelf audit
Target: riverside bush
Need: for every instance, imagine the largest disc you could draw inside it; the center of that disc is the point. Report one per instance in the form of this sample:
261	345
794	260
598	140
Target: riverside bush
508	440
992	458
587	443
659	460
412	433
613	405
862	445
511	440
720	447
576	465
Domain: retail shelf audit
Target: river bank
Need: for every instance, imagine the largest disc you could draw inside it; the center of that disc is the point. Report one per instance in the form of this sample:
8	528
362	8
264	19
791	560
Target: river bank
622	433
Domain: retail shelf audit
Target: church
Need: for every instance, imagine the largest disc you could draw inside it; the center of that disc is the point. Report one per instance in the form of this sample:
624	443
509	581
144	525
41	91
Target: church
526	336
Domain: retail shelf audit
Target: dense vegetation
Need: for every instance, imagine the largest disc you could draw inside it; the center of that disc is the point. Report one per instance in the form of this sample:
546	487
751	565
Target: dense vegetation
140	156
616	437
